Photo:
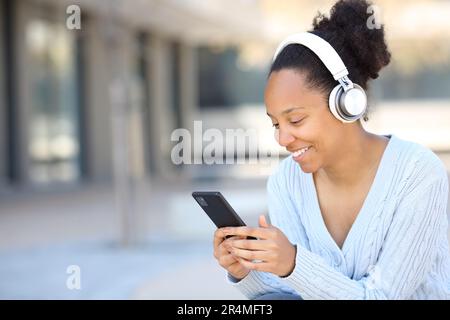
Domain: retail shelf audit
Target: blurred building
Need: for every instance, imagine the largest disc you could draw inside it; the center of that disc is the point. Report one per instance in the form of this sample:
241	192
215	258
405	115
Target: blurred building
72	100
82	105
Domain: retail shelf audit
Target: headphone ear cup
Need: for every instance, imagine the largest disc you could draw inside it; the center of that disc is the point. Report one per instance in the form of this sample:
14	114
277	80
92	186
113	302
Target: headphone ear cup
333	102
353	103
348	106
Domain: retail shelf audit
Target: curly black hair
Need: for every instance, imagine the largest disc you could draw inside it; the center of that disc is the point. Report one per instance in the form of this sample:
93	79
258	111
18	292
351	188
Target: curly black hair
362	49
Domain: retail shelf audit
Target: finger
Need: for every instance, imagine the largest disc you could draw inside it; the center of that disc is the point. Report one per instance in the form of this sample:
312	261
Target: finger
219	236
251	244
263	222
221	250
258	266
227	242
251	254
227	260
222	246
261	233
225	246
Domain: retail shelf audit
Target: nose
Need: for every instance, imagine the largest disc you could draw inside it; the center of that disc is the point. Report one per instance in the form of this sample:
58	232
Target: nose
284	137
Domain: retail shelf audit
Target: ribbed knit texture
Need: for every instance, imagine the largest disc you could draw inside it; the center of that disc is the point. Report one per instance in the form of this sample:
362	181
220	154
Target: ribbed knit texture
397	248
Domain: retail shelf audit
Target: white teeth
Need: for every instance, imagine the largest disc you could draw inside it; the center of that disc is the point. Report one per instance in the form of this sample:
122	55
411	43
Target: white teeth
300	152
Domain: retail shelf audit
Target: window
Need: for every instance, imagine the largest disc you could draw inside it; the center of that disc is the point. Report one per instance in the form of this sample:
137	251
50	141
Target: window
54	137
223	84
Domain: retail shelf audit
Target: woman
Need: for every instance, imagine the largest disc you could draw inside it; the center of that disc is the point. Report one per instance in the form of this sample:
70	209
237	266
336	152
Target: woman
354	215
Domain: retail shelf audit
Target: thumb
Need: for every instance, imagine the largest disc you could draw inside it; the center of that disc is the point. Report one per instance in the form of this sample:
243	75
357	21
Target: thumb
263	222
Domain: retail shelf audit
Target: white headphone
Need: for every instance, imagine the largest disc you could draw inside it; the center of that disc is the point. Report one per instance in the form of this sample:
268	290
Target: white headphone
347	101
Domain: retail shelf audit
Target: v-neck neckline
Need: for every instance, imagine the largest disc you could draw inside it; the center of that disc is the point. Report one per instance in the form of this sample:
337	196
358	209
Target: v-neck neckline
364	208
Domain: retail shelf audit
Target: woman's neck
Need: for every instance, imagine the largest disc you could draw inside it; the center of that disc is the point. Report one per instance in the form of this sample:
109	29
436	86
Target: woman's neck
361	156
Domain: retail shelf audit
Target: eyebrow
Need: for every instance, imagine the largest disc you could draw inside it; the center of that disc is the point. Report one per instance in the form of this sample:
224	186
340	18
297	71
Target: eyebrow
287	110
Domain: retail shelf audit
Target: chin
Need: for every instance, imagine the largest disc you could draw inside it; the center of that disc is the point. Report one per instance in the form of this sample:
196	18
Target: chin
307	168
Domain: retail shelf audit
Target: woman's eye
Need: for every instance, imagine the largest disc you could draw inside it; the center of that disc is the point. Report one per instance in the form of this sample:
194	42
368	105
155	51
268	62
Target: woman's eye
275	125
296	121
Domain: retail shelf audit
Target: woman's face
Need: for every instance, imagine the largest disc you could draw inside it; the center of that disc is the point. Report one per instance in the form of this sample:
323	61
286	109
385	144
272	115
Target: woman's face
301	118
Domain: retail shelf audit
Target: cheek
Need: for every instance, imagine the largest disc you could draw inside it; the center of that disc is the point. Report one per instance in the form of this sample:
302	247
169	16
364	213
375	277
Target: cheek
308	132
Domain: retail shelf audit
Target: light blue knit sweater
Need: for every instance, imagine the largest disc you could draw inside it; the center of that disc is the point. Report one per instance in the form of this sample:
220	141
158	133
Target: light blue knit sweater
397	247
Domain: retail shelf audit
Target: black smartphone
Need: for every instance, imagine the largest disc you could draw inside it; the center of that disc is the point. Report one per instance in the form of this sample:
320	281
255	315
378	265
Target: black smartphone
218	209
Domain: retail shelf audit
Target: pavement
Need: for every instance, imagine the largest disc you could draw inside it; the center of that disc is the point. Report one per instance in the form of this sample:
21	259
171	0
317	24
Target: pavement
43	234
154	271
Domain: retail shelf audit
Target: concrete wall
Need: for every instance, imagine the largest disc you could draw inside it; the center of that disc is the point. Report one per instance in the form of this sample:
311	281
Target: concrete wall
163	121
149	128
98	112
189	85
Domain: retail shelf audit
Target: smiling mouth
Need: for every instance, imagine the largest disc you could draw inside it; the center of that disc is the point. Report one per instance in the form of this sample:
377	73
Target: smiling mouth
300	152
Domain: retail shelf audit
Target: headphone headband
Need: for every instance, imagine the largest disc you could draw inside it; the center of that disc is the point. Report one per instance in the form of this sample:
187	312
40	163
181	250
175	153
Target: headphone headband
347	101
321	48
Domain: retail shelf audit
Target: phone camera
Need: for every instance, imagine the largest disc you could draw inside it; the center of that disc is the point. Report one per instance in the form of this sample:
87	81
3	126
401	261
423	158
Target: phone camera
202	201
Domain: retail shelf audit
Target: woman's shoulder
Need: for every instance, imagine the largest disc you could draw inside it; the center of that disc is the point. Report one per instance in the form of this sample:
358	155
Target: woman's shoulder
418	161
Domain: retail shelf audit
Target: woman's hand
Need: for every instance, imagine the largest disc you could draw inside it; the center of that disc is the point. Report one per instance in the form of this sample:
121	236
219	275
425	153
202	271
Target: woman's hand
273	249
222	253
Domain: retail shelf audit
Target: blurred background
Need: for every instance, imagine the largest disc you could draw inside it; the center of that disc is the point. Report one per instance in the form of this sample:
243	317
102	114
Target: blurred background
86	176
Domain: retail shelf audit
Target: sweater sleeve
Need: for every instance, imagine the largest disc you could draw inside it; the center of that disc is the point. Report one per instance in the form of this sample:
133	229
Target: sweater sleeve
257	283
407	255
